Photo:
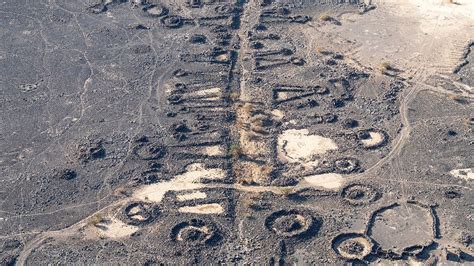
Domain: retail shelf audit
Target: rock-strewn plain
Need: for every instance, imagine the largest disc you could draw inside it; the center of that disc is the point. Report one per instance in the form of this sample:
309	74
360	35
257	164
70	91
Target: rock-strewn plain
142	132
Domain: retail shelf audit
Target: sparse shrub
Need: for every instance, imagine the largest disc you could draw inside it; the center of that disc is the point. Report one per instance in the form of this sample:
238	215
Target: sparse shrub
385	67
266	170
257	125
248	203
248	214
257	121
253	202
287	191
245	181
96	219
247	108
325	17
235	151
234	96
469	121
458	99
251	135
323	51
121	191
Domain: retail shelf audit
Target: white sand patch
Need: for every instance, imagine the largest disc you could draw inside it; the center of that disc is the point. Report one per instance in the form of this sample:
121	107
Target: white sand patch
223	58
329	181
168	88
191	196
134	213
282	95
277	114
213	208
213	99
208	92
466	174
155	11
187	181
215	134
114	228
217	109
298	146
212	94
376	138
214	150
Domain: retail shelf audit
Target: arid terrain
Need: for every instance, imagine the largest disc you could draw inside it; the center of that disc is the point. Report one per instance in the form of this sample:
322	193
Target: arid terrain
258	132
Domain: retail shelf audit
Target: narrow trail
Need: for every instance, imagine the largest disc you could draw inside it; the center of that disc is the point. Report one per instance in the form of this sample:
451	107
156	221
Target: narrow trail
416	84
38	240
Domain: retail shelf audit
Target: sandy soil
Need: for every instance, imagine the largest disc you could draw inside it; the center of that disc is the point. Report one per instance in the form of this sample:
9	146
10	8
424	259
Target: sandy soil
192	196
208	92
375	139
186	181
467	174
212	208
277	114
115	228
328	181
134	213
298	146
407	34
251	145
215	150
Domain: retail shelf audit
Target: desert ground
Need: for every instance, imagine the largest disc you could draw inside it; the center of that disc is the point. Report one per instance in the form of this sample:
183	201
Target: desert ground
257	132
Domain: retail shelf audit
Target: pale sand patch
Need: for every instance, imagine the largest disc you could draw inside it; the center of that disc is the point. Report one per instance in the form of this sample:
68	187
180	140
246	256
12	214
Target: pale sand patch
187	181
282	95
375	139
215	134
191	196
208	92
298	146
277	114
212	94
214	150
168	88
212	208
223	58
115	228
155	11
414	262
466	174
329	181
134	213
217	109
213	99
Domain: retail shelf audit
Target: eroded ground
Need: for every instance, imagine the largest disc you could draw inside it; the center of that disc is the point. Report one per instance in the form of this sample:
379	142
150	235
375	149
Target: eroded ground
258	132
